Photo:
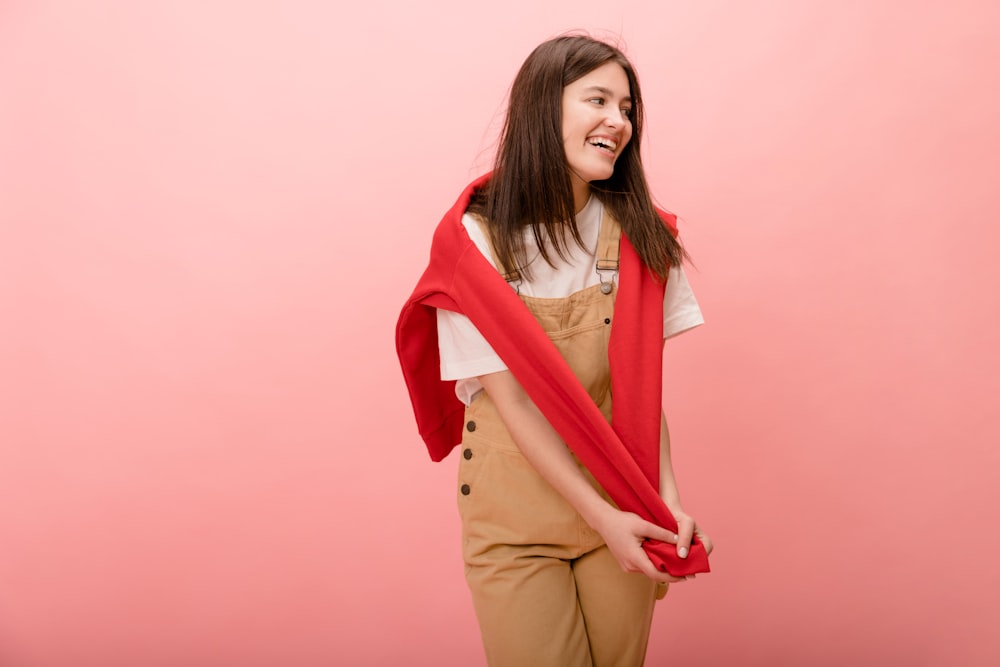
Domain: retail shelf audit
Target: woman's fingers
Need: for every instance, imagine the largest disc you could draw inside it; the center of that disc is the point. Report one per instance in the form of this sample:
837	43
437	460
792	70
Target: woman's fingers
685	530
652	531
630	536
705	540
646	567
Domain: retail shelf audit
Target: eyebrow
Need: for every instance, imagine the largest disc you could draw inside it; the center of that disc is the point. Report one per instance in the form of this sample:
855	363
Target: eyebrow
606	91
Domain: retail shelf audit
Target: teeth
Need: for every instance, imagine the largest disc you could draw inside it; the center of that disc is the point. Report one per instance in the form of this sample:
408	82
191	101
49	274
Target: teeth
604	143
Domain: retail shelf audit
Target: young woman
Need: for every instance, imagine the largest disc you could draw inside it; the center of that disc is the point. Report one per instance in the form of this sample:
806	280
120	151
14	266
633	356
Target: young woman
552	284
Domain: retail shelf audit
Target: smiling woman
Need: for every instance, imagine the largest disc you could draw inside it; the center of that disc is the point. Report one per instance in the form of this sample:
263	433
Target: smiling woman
596	126
571	518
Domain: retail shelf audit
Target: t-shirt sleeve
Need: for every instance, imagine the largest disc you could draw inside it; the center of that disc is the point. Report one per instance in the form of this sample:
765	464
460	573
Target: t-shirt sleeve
464	351
680	308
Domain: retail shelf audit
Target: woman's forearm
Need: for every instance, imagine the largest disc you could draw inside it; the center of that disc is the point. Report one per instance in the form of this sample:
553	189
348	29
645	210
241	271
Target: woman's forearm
668	483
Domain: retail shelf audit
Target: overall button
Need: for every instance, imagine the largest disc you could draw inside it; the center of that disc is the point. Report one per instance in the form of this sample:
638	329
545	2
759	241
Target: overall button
471	426
465	490
467	454
607	320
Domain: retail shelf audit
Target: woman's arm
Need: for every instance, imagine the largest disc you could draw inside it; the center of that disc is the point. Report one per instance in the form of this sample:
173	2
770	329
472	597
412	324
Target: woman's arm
542	446
686	526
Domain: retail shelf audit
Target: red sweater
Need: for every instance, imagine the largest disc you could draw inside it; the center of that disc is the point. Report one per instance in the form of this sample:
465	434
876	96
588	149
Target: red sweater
623	456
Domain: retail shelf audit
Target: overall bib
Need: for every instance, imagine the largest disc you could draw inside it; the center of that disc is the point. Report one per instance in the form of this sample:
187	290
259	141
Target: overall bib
546	589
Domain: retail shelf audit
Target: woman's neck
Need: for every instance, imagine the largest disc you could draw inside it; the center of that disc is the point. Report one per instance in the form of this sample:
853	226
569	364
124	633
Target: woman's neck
581	192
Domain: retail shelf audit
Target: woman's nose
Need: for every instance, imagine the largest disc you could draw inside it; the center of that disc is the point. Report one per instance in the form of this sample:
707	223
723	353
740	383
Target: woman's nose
614	117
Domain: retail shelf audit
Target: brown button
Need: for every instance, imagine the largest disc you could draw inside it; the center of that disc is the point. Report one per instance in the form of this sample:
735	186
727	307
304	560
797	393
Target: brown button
607	320
471	426
465	489
467	454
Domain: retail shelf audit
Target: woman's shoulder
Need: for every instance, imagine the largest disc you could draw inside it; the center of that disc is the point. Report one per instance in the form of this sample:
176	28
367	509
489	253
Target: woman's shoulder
476	226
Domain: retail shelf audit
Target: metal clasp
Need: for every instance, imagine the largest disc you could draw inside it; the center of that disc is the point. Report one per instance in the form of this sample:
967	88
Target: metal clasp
607	266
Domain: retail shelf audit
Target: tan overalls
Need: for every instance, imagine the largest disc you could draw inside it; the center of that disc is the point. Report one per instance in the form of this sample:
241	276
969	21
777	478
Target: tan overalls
546	589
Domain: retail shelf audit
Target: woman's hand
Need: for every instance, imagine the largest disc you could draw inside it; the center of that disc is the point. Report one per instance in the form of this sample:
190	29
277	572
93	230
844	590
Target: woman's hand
686	528
624	533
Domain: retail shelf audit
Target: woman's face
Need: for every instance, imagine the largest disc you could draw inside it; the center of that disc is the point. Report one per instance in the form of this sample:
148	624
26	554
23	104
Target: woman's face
596	126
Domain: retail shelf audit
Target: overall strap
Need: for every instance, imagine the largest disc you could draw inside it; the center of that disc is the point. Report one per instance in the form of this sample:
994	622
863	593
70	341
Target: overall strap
608	250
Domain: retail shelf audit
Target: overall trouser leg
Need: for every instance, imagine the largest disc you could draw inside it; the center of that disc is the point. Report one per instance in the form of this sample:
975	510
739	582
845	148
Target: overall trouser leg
617	607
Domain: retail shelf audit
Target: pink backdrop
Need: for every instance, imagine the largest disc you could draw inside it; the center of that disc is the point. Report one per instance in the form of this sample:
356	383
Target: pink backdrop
211	212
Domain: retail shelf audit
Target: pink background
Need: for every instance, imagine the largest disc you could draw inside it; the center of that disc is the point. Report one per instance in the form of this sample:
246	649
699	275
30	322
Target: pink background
211	213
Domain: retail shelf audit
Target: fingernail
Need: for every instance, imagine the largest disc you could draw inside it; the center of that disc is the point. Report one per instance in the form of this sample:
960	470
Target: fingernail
682	552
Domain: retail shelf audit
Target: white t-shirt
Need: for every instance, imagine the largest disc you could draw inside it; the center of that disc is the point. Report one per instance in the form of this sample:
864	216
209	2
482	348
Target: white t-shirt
465	353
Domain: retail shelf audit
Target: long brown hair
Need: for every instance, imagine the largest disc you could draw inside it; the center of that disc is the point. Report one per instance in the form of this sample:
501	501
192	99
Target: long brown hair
531	186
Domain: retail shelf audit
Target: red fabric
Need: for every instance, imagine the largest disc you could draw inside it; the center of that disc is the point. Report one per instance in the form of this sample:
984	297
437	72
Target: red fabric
623	456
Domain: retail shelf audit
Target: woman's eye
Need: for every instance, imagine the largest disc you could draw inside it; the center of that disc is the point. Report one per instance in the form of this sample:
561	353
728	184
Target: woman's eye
597	100
627	112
